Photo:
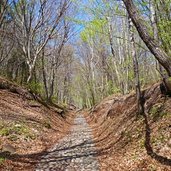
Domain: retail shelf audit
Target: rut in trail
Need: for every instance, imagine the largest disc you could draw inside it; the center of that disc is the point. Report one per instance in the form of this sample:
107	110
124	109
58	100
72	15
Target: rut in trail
75	152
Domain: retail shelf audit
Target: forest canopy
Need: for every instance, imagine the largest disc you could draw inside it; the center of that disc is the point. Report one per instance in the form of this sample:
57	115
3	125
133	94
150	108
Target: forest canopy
79	52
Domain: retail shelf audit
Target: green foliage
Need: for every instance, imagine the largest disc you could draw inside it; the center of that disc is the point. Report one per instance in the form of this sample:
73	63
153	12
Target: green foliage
157	112
82	89
112	89
2	160
92	28
144	3
119	11
165	33
36	87
14	130
131	71
162	10
20	129
4	131
54	99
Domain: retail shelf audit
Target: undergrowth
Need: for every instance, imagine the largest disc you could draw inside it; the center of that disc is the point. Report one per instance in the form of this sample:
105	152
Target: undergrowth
2	160
13	131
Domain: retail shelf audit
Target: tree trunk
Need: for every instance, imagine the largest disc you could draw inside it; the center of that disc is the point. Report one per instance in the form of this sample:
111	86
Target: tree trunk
113	51
30	73
155	33
152	44
52	85
44	75
136	67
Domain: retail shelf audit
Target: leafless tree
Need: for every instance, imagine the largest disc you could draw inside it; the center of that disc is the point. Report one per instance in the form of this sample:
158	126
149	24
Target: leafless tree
36	22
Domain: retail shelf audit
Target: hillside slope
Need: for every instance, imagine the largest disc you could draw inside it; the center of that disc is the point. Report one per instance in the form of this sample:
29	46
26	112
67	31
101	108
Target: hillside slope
119	134
27	127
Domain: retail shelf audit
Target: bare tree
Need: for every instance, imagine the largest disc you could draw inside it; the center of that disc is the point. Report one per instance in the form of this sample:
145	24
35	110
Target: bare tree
33	32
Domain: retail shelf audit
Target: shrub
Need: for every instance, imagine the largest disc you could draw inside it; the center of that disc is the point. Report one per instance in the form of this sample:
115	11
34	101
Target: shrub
5	131
2	160
13	131
35	87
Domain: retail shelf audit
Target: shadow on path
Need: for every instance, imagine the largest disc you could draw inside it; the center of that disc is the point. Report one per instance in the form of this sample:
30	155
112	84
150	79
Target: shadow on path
76	151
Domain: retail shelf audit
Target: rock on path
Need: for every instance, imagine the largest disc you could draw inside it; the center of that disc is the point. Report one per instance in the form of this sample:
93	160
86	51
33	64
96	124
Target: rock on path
75	152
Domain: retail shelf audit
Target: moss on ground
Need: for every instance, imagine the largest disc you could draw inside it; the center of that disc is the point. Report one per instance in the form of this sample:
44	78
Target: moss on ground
13	131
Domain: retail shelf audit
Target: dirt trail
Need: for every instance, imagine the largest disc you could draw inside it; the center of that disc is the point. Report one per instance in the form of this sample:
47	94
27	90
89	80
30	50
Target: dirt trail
75	152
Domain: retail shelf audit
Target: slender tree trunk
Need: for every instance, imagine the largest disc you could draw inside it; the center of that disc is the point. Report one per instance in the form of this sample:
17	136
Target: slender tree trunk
52	85
136	67
92	67
155	31
152	44
113	51
30	72
44	75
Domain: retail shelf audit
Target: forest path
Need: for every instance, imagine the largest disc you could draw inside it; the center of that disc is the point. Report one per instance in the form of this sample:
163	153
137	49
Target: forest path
75	152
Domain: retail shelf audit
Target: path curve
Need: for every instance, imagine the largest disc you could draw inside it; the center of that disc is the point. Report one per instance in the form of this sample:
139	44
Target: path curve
75	152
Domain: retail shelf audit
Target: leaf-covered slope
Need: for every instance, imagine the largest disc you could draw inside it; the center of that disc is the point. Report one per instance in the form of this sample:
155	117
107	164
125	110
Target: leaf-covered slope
28	126
120	134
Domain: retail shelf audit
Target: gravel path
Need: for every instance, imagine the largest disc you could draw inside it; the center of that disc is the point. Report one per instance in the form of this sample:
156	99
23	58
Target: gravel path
75	152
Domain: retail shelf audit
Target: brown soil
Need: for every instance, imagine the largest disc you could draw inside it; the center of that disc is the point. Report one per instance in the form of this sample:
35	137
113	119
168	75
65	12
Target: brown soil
29	126
119	134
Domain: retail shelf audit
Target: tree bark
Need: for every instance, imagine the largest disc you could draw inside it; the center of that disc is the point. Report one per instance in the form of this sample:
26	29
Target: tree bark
151	43
44	75
113	51
30	71
136	67
155	33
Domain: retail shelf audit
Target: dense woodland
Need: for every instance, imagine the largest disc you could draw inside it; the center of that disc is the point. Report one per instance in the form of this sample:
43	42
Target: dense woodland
78	52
